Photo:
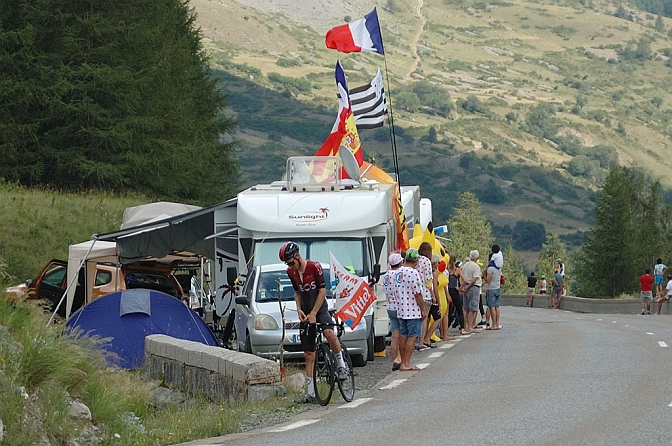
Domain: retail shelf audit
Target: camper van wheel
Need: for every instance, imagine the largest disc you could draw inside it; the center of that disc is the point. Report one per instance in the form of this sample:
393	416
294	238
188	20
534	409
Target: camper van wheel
379	344
370	342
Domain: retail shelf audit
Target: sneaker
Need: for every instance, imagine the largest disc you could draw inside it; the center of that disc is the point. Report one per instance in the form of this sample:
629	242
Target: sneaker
306	399
648	312
643	312
342	373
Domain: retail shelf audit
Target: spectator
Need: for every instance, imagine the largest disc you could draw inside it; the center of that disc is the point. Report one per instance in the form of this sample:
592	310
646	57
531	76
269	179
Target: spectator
390	280
492	277
531	285
455	278
659	270
497	256
543	286
424	267
558	284
646	293
410	309
435	308
471	288
666	295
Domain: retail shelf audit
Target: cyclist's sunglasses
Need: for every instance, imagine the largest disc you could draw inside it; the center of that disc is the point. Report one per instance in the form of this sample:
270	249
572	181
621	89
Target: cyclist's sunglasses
291	262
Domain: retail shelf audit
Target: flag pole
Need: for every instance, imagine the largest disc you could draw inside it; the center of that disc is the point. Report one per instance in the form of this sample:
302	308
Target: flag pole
390	118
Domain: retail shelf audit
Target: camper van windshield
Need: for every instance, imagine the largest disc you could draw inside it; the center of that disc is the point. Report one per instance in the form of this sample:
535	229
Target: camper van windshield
349	252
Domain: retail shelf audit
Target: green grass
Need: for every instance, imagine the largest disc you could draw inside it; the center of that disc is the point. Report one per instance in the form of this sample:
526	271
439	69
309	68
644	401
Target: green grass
42	371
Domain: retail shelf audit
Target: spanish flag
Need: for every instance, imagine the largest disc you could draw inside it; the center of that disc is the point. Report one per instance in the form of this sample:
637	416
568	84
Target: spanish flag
344	131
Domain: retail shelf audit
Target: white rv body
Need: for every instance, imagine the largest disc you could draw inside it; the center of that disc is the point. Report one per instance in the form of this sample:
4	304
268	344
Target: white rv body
355	220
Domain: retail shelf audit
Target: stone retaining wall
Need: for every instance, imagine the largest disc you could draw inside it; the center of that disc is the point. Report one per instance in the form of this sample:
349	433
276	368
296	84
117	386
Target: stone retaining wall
587	305
223	375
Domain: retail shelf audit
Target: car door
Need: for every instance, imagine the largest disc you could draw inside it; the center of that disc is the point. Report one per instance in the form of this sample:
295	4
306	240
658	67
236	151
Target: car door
51	284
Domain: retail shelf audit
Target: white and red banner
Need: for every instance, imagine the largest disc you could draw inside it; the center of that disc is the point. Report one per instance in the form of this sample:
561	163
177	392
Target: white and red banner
353	295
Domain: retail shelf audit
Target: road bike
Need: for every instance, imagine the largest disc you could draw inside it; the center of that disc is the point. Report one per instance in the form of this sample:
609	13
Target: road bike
325	376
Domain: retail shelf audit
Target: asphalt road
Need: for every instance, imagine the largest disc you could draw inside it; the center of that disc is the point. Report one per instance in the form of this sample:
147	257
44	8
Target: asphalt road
549	377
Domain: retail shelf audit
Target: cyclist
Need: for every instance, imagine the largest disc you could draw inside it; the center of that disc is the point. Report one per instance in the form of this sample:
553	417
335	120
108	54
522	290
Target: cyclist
310	291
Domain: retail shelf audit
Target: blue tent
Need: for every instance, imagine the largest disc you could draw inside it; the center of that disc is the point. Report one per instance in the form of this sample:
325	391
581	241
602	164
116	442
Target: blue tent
128	316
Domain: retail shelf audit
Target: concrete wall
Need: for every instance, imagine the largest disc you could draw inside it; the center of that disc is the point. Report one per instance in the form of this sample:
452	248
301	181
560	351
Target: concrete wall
586	305
223	375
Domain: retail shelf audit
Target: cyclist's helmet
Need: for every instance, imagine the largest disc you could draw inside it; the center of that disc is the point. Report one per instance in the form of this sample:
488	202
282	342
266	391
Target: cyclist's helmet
288	251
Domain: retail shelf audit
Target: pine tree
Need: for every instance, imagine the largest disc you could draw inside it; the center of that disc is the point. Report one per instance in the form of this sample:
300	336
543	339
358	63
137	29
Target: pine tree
607	253
111	95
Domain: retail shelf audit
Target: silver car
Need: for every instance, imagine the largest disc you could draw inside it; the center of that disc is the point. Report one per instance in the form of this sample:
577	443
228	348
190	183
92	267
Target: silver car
258	316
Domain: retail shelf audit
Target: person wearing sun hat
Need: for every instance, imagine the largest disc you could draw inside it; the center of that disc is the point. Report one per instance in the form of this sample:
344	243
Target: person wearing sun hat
410	309
390	280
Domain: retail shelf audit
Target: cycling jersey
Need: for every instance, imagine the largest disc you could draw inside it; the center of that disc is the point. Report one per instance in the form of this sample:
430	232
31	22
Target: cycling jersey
313	281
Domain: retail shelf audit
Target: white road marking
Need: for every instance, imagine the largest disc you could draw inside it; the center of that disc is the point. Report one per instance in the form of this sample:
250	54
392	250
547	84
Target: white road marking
393	384
447	346
600	320
356	403
662	344
296	425
613	322
436	354
460	338
649	333
626	325
669	405
422	366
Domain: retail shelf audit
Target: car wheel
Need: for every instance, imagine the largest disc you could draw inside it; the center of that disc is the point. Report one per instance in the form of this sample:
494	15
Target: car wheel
358	360
370	343
248	344
379	344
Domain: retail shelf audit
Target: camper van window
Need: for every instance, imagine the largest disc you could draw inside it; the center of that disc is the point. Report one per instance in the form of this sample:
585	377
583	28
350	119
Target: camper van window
266	253
349	252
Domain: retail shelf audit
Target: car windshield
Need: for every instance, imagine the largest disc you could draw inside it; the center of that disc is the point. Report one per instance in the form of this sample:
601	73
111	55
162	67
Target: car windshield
348	252
272	282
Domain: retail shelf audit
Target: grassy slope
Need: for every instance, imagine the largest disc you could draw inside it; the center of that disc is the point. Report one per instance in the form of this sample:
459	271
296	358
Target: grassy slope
519	53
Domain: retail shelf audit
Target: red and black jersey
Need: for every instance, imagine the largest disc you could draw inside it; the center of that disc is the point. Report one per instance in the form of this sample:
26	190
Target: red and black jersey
313	280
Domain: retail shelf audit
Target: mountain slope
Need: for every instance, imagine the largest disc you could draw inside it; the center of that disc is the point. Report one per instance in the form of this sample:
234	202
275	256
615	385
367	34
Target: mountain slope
501	61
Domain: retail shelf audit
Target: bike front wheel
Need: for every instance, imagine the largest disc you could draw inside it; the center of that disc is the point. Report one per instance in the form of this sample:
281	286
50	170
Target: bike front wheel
323	374
347	385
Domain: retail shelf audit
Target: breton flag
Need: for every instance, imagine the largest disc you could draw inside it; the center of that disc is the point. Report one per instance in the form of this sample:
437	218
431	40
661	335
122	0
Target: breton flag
344	131
362	35
368	103
353	295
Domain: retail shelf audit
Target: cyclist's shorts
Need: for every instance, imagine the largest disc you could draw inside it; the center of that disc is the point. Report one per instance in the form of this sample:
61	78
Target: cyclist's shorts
307	331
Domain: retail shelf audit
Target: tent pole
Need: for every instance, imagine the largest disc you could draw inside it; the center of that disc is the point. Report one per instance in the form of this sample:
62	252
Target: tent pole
74	279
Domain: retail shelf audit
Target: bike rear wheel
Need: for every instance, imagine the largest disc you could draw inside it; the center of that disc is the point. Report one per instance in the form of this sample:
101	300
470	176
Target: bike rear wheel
323	374
347	385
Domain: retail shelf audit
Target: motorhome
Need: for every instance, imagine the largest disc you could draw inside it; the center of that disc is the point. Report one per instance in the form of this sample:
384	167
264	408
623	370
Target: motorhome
355	219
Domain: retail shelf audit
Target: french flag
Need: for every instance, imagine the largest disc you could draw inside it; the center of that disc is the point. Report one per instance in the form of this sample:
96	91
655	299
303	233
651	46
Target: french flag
362	35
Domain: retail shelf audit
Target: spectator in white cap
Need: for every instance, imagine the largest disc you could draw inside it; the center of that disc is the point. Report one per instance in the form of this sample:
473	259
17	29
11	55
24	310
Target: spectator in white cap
390	280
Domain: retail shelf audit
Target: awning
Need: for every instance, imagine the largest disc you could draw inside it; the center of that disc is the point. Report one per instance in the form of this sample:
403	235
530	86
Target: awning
178	237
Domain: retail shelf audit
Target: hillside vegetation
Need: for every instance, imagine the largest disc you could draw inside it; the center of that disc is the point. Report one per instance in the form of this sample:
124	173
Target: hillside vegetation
525	103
